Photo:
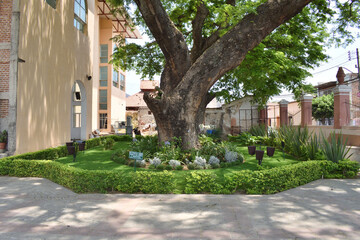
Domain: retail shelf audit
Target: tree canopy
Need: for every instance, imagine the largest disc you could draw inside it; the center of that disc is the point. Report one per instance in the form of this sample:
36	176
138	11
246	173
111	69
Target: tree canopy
323	107
282	60
228	48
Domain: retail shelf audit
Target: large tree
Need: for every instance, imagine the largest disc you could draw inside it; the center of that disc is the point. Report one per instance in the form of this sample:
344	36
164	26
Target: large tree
228	47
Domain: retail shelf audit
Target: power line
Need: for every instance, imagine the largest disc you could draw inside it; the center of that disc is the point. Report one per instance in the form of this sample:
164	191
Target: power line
330	68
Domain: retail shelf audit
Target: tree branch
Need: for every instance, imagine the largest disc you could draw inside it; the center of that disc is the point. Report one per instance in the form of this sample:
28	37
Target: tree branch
230	50
169	38
197	25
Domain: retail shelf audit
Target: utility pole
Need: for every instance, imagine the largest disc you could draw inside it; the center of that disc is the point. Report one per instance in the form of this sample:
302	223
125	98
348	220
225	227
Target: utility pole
358	67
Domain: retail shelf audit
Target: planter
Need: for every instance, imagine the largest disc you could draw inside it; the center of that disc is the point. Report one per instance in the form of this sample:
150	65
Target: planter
259	155
71	150
270	151
82	146
251	150
2	147
69	144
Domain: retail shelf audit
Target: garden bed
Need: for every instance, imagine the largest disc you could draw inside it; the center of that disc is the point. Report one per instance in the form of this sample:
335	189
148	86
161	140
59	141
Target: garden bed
94	171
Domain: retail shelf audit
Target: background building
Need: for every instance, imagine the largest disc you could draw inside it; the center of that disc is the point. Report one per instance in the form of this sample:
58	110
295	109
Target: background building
52	85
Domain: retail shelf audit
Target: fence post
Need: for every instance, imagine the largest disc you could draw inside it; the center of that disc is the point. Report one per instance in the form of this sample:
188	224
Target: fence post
306	110
341	106
284	112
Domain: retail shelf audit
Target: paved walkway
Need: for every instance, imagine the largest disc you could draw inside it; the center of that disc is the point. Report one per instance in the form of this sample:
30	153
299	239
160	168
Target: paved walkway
33	208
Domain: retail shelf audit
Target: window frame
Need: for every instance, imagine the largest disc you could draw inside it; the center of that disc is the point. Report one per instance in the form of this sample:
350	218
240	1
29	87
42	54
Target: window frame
80	23
101	99
103	120
103	82
122	82
102	58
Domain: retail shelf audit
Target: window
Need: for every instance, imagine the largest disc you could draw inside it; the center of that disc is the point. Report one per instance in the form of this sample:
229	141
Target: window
52	3
77	94
77	117
115	78
80	14
103	100
104	53
103	120
122	82
103	76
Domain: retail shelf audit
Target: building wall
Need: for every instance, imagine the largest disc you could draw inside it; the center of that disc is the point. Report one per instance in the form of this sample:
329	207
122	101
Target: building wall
56	54
5	32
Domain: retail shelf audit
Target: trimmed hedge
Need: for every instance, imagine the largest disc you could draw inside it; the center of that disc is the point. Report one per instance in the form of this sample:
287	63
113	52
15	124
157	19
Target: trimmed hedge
58	152
283	178
85	181
252	182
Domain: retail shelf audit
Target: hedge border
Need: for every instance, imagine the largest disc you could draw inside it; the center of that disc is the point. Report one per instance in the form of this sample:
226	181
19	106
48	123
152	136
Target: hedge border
251	182
58	152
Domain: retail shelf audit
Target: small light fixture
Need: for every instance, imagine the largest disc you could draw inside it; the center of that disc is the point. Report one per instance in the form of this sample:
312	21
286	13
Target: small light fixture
88	77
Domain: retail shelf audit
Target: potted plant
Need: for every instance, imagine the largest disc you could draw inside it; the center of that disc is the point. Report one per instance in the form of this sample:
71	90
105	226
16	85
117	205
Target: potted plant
270	151
3	140
251	149
259	155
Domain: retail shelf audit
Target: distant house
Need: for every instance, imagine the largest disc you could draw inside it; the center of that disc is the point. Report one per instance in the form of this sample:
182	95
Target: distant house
142	117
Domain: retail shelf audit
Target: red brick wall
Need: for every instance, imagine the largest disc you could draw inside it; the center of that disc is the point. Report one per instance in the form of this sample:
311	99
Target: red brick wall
5	20
5	32
355	107
4	70
4	108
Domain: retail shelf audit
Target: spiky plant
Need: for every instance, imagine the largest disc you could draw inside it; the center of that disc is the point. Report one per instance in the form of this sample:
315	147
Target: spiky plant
335	149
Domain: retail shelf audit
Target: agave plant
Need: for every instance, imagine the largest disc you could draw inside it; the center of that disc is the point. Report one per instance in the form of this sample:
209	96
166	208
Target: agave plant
295	139
335	149
312	147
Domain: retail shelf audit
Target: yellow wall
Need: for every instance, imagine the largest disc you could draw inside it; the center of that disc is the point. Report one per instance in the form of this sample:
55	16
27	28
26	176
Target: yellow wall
56	55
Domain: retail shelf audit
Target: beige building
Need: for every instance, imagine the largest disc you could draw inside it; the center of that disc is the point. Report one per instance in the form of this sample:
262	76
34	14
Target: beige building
60	85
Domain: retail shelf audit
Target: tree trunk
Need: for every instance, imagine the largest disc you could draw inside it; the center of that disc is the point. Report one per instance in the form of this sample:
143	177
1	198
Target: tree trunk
179	117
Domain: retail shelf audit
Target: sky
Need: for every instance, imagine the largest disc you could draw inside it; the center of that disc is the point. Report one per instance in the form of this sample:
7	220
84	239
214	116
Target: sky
324	73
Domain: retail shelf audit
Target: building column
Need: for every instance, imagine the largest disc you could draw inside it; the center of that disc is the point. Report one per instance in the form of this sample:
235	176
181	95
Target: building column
284	119
341	106
306	110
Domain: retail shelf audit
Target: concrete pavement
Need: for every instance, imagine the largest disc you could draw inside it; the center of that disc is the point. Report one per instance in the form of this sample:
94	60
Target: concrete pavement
33	208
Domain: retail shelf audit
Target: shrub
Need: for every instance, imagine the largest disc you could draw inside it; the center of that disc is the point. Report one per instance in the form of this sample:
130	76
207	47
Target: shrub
160	167
179	168
258	131
202	182
155	161
119	156
335	150
61	151
147	143
168	167
294	139
283	178
108	143
148	182
259	182
191	166
231	156
46	154
214	160
312	147
174	163
200	161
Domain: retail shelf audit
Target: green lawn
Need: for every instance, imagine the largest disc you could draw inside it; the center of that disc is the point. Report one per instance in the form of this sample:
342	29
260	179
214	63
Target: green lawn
99	159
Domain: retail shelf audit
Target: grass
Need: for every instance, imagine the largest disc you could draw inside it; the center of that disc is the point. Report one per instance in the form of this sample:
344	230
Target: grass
99	159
